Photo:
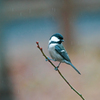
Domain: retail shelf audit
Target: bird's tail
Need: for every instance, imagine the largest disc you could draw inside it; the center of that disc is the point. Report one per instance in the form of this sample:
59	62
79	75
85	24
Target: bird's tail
73	67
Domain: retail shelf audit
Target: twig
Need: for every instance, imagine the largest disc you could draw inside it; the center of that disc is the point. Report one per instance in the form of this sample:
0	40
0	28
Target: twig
59	71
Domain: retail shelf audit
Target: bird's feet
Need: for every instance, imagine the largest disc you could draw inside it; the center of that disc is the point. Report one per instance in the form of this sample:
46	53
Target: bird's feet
49	59
56	68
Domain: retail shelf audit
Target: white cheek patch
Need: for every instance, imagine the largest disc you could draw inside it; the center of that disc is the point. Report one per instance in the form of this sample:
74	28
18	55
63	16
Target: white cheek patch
55	39
52	45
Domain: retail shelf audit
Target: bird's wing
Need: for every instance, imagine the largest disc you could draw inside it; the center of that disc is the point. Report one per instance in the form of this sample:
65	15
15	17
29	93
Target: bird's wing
62	52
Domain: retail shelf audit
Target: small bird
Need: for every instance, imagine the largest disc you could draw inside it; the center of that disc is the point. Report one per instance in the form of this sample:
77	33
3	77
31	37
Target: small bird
58	52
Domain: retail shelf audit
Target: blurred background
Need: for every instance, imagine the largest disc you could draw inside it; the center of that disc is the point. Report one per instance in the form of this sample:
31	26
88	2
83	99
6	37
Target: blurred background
24	73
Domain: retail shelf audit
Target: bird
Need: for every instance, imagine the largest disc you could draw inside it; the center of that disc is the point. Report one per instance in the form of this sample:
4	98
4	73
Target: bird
58	52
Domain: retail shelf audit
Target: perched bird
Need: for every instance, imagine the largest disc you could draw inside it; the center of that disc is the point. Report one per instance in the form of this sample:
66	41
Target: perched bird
58	52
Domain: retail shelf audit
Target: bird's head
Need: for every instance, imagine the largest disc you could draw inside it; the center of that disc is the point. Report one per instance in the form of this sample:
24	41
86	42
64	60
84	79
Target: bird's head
56	38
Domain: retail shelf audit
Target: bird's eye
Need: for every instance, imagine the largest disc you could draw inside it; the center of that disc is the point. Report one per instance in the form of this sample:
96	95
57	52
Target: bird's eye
61	38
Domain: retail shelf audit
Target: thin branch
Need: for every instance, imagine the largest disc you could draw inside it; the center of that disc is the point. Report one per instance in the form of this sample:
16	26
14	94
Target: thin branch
59	71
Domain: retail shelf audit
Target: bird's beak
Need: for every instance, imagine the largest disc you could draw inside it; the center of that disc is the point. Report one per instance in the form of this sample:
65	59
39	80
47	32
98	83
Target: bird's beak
62	40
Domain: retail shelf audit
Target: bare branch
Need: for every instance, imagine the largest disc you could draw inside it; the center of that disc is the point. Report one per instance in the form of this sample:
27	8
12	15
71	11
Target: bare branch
38	46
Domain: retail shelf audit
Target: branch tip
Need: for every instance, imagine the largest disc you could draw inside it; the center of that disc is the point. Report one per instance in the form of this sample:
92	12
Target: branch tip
37	42
41	49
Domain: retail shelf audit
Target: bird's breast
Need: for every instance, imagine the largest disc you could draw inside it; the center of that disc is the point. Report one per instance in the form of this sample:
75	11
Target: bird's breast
53	53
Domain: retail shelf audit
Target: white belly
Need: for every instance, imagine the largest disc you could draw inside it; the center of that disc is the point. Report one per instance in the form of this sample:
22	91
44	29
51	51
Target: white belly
53	53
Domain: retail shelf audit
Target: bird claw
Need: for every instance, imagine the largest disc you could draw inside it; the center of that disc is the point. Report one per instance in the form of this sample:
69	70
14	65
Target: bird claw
47	59
56	68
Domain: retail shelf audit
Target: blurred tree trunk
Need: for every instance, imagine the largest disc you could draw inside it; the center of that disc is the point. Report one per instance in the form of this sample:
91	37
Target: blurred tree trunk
66	13
5	83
